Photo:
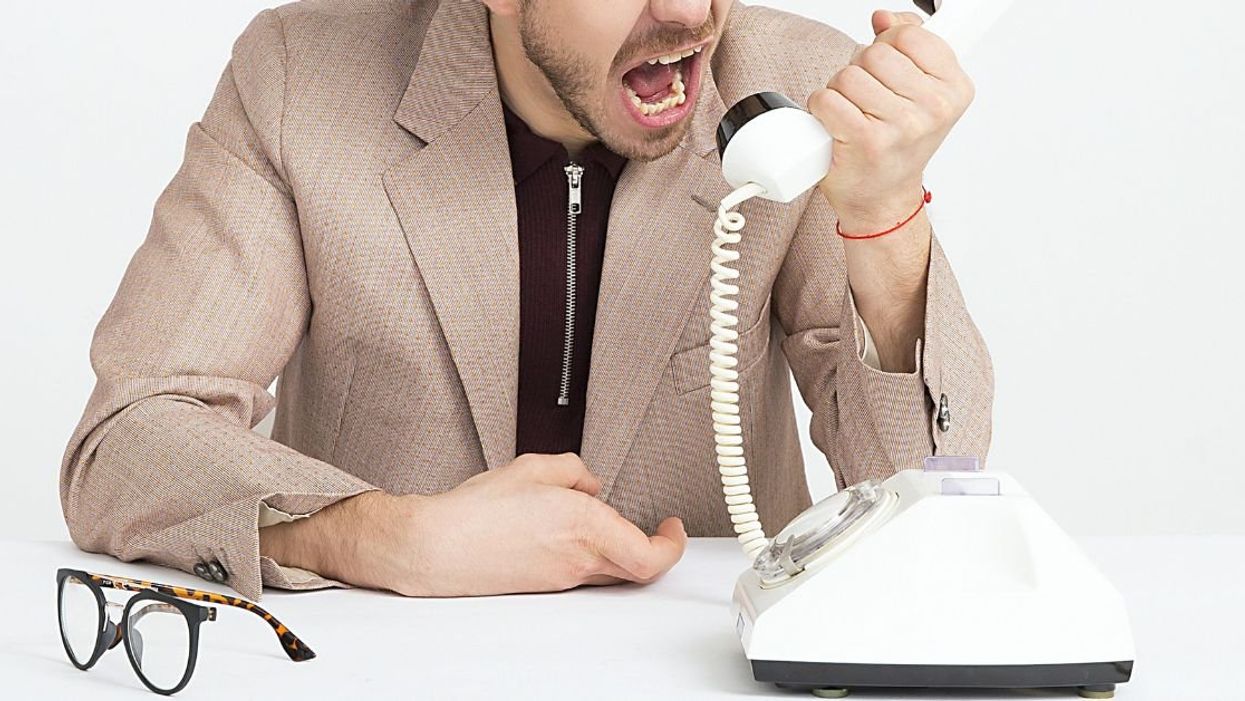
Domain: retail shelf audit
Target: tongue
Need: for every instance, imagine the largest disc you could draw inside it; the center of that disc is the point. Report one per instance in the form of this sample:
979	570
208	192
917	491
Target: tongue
648	80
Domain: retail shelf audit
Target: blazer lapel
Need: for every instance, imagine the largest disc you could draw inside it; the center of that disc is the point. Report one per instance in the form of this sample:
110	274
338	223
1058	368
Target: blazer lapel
656	262
455	201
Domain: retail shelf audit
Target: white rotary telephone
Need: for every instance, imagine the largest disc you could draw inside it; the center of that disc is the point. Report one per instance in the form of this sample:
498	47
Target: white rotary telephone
946	576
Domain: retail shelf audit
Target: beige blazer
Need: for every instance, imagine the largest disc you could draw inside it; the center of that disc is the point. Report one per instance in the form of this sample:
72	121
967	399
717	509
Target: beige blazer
344	220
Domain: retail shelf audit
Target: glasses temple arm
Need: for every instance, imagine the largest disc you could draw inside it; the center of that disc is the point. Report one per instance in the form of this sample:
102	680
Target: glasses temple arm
293	646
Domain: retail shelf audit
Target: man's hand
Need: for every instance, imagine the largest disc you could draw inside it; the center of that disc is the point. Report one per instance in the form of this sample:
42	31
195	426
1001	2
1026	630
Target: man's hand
533	525
889	111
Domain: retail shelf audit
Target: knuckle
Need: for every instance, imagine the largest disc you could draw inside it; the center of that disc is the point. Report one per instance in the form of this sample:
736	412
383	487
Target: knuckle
826	101
542	471
877	54
907	34
858	54
849	75
942	107
819	100
911	122
969	90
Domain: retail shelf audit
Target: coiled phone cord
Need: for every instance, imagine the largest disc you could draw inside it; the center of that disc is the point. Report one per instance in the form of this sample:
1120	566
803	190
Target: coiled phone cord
724	394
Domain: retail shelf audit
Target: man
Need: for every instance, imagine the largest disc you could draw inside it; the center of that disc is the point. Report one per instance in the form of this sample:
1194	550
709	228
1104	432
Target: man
469	403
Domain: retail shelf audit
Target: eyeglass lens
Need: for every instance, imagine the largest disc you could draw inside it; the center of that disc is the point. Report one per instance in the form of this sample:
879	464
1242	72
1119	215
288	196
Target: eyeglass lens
81	619
158	638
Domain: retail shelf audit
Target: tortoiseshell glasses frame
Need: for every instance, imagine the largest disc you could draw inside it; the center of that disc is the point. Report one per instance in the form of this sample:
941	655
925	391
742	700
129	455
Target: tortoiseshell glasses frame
164	598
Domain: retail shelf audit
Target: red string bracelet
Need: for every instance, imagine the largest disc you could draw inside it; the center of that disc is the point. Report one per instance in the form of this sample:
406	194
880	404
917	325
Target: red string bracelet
926	198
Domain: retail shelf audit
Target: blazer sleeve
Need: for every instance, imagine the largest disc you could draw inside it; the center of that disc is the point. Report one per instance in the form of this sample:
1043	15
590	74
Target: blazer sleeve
870	423
163	465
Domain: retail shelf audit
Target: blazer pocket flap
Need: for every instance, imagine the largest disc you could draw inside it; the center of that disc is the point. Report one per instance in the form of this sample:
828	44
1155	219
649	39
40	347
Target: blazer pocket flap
691	366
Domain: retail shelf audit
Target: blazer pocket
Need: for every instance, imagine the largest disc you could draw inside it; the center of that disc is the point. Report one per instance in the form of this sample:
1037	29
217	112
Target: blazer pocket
691	366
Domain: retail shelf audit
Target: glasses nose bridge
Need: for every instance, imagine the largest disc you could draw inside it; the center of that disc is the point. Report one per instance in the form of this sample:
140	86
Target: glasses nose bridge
111	626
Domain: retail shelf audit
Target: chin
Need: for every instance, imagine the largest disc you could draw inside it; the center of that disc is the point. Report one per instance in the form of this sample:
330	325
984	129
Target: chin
646	145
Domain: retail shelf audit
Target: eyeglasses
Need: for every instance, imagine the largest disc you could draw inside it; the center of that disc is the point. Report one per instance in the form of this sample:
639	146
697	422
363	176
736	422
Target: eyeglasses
160	630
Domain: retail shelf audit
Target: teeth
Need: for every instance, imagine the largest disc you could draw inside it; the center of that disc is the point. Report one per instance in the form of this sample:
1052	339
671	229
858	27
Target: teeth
672	58
677	96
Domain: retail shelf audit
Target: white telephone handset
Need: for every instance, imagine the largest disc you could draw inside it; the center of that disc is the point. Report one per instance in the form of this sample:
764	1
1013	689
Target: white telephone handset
771	148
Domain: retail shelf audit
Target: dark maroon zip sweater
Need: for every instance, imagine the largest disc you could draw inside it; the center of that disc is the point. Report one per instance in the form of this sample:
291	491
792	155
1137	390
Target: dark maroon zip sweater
542	191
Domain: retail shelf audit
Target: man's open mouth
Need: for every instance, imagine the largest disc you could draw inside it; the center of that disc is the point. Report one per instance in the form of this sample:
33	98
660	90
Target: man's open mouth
659	91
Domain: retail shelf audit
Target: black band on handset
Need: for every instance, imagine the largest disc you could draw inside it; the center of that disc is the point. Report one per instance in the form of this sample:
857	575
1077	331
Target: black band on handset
744	111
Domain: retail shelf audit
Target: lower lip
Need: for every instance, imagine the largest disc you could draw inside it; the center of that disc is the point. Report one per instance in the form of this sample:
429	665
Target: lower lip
691	88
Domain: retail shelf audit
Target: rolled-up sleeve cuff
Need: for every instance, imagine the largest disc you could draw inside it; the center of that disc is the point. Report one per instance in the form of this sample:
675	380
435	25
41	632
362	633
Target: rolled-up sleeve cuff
868	350
273	573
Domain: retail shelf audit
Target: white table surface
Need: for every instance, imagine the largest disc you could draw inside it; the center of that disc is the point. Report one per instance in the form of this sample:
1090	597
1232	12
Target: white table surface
670	640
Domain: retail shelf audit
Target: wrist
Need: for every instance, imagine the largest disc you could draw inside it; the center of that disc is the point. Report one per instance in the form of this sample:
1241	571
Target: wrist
880	213
378	542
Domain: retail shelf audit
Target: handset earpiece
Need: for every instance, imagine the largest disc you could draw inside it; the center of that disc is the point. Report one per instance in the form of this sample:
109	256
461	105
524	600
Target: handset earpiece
768	139
772	148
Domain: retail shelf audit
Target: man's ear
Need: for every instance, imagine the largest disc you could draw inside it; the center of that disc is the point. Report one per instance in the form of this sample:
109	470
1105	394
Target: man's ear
503	8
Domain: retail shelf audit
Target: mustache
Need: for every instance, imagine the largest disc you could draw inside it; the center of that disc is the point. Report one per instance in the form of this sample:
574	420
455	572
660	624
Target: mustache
662	40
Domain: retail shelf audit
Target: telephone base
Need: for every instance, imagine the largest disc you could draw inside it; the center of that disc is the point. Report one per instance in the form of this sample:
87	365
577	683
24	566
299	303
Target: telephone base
1092	678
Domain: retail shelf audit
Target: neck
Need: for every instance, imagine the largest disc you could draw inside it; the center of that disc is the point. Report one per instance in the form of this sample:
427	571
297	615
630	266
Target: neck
527	92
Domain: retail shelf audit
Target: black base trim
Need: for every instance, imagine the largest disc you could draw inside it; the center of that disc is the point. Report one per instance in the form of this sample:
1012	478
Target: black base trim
826	674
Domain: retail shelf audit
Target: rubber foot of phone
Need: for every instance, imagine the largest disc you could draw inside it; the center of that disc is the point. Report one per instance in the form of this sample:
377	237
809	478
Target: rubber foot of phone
831	693
1098	691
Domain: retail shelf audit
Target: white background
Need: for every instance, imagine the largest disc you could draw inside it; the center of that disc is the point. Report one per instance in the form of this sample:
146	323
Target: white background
1089	201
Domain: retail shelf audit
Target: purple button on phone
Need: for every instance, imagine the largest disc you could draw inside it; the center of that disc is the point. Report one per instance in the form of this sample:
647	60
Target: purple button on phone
952	463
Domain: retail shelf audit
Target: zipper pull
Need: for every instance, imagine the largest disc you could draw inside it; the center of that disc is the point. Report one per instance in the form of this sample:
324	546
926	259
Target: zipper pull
574	176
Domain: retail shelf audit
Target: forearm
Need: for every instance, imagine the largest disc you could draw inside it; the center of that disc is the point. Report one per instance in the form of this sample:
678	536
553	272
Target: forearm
888	276
169	480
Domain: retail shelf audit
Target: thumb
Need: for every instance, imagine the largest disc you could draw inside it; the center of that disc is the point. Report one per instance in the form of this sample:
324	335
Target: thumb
885	19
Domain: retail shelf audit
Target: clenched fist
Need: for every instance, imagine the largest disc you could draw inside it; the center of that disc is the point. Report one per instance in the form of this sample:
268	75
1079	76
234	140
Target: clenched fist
888	111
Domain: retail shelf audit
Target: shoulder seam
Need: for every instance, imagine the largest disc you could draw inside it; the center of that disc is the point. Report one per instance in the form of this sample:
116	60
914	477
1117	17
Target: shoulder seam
280	185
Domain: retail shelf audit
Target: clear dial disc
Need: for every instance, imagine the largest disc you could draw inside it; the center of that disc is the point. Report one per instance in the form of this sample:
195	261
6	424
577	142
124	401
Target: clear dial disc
818	528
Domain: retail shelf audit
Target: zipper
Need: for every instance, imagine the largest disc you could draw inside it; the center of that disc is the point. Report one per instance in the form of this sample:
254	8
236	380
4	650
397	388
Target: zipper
574	204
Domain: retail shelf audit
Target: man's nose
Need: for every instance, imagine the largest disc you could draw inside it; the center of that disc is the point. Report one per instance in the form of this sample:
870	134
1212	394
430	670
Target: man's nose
689	13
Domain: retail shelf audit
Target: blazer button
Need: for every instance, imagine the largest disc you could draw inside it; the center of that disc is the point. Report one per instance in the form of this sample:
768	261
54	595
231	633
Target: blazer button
202	570
217	572
944	414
